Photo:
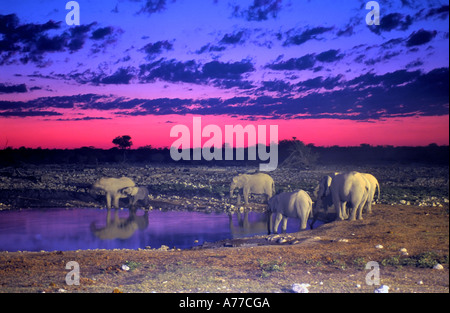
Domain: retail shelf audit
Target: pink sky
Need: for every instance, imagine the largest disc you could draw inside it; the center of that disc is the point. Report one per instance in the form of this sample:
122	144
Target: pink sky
155	130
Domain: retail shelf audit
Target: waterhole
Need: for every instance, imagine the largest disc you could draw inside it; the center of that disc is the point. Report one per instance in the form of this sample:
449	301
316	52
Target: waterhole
89	228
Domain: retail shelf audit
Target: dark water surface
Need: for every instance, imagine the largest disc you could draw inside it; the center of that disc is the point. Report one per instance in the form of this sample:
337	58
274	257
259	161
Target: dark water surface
88	228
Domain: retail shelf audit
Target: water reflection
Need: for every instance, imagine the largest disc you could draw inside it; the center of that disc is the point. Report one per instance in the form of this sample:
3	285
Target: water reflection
246	227
119	227
72	229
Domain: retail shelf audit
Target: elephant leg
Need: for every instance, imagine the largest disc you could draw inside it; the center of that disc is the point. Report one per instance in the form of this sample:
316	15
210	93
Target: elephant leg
108	201
355	208
284	225
303	220
344	210
116	201
360	209
269	223
246	196
368	205
338	208
278	219
239	199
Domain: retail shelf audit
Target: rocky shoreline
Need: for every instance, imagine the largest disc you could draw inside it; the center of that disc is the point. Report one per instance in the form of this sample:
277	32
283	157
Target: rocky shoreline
201	188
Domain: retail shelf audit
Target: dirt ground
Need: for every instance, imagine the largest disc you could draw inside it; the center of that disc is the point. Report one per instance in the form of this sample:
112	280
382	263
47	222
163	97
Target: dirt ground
331	258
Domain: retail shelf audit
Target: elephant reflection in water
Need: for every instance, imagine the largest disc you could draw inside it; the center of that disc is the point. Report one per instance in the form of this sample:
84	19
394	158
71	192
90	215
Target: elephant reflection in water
246	227
120	228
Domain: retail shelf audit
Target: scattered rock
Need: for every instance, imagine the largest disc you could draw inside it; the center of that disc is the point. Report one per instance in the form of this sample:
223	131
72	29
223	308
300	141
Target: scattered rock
438	267
125	267
379	247
300	288
382	289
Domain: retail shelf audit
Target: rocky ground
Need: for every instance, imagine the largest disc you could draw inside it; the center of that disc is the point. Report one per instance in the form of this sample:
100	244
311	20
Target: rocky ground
203	188
407	235
407	242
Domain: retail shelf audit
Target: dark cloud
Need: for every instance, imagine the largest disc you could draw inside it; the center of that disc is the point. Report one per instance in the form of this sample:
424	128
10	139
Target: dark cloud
30	42
329	56
78	35
86	118
101	33
319	82
306	35
13	88
232	38
210	48
367	97
392	21
191	72
441	12
260	10
153	6
420	37
233	83
121	76
156	48
306	62
216	69
28	113
303	63
170	70
276	85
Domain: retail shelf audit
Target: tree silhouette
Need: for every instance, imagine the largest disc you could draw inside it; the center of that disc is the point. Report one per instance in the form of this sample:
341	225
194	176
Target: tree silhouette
301	156
123	142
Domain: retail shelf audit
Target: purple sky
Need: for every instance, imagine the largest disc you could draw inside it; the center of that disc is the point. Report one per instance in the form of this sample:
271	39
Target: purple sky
136	67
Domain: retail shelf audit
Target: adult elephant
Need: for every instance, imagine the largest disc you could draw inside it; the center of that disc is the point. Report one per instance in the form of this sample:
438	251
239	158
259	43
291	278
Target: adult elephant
346	189
373	186
297	204
112	186
259	183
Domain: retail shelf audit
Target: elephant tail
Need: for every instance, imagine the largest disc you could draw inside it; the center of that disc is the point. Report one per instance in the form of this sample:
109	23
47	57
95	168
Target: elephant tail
378	195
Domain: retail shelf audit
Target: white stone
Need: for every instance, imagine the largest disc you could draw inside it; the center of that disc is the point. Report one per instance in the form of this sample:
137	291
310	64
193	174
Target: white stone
438	267
382	289
300	288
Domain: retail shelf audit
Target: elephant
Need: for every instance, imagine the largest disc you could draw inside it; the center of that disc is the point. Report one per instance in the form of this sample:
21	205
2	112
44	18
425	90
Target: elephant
112	187
297	204
372	188
136	194
350	188
259	183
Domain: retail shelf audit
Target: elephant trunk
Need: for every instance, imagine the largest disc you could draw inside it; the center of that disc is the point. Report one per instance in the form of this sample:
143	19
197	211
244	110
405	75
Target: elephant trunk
232	187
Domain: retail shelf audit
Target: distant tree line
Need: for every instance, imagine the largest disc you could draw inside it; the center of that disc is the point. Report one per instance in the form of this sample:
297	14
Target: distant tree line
291	153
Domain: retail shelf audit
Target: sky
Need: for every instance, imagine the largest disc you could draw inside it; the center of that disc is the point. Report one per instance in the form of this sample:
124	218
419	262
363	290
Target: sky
315	69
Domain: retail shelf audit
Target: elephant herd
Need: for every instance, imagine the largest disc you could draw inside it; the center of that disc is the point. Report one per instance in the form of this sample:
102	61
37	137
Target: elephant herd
338	192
